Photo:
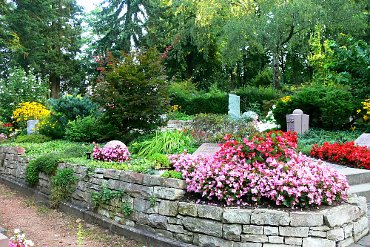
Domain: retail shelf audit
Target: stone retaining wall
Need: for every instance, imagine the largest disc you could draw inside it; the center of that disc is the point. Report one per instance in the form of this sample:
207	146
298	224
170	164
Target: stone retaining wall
158	207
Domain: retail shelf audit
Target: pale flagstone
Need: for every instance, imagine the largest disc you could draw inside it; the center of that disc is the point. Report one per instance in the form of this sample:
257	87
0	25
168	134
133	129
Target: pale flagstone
363	140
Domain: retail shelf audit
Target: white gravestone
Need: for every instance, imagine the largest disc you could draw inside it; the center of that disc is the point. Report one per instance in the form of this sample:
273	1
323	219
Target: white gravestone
297	122
363	140
31	126
234	106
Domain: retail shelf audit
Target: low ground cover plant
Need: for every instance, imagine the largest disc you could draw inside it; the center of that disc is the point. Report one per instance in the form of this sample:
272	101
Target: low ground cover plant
346	153
264	169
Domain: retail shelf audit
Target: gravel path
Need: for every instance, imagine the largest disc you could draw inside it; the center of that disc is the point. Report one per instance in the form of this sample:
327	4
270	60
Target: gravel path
51	228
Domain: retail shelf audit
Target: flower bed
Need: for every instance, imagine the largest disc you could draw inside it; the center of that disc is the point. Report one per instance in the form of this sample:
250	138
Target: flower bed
347	154
265	169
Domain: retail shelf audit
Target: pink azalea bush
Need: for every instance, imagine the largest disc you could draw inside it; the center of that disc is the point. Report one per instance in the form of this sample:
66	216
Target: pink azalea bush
116	154
265	169
19	240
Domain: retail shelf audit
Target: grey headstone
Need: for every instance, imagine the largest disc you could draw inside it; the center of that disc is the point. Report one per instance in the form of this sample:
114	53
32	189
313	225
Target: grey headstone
31	126
363	140
297	122
207	149
234	106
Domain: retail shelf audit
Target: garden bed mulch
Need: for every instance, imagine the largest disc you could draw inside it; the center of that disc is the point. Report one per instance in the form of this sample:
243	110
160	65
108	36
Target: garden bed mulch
51	228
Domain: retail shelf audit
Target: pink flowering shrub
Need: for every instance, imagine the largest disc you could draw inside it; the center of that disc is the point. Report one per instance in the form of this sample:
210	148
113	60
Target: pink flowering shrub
116	154
19	240
265	169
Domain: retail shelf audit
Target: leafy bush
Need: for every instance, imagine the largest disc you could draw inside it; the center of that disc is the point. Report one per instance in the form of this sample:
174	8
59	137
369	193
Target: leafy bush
264	169
213	128
105	196
343	153
172	174
263	78
116	154
134	92
161	160
62	186
168	142
83	129
35	138
329	107
70	107
45	163
20	87
53	126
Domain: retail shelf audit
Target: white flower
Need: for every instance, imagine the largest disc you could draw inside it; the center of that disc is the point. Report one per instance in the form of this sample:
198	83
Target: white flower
29	243
17	231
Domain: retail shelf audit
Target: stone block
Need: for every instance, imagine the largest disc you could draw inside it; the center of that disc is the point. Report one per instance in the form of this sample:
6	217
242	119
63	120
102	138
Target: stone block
360	225
348	230
254	230
209	241
232	232
157	221
290	231
271	230
340	215
318	242
358	236
270	217
140	218
111	174
276	239
346	242
131	177
359	201
175	228
237	244
186	238
306	219
136	190
173	183
209	212
4	241
237	216
168	193
169	208
144	206
254	238
208	227
151	180
293	241
188	209
336	234
279	245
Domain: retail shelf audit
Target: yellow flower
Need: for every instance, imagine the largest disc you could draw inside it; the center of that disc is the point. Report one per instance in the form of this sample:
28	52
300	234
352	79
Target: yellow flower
286	99
30	110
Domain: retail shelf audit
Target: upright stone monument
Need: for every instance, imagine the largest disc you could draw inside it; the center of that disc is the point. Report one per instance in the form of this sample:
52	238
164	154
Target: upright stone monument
31	126
297	122
234	106
363	140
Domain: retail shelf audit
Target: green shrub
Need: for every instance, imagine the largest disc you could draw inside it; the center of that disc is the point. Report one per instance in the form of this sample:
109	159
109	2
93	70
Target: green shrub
105	196
32	174
47	163
72	106
329	107
161	160
35	138
172	174
213	128
83	129
167	142
134	92
63	184
263	78
53	126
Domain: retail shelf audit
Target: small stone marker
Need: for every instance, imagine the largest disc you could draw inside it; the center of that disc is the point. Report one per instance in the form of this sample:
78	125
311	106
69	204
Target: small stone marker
114	144
4	241
363	140
234	106
207	149
297	122
31	126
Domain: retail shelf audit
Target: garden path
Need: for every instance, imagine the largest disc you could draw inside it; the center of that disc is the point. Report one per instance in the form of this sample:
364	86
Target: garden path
52	228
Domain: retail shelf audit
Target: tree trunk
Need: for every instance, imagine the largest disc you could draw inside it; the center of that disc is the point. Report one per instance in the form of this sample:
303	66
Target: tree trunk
54	85
276	70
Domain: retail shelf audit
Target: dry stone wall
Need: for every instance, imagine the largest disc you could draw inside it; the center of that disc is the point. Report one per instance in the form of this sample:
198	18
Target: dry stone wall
157	205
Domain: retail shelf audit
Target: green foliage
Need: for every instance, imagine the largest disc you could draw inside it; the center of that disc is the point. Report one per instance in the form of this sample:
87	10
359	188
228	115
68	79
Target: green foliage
263	78
83	129
20	87
32	174
167	142
47	163
213	128
127	209
53	126
105	196
35	138
63	184
319	136
161	160
329	107
134	92
172	174
73	106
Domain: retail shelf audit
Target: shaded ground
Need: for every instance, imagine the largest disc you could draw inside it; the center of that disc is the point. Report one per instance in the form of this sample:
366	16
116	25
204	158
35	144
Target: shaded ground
51	228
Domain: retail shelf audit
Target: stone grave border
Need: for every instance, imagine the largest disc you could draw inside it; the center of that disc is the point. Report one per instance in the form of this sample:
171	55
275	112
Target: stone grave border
173	222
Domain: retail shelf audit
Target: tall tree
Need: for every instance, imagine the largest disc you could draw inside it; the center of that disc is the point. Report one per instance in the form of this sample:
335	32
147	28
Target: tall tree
120	24
49	31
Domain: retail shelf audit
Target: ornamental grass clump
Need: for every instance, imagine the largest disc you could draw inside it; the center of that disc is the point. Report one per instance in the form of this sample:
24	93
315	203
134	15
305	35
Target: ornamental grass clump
265	169
117	154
